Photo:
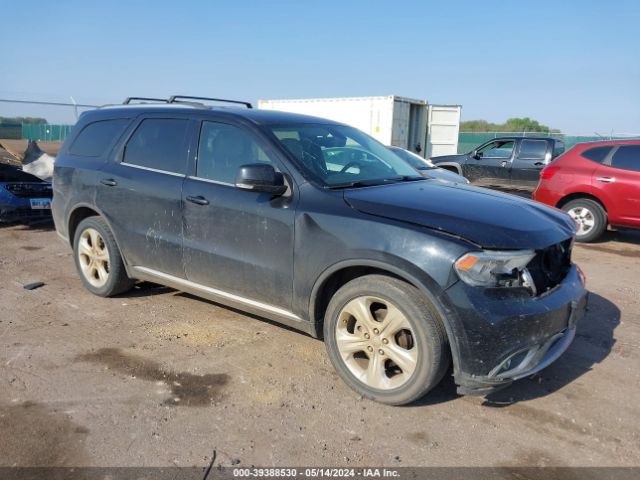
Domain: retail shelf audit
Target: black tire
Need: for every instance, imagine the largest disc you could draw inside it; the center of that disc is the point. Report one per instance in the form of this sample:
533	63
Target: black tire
117	280
428	331
595	211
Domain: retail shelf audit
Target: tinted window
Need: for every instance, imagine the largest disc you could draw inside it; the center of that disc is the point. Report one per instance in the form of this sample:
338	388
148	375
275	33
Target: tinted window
597	154
223	149
627	157
94	139
500	149
532	150
558	148
160	144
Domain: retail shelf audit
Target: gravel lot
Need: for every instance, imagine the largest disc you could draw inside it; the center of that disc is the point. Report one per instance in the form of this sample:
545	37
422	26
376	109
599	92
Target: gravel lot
159	378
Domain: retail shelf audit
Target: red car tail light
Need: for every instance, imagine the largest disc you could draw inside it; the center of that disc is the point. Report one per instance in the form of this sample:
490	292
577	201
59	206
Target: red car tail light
548	172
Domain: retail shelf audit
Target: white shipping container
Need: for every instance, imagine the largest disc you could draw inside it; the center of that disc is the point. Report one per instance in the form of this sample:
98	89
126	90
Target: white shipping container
392	120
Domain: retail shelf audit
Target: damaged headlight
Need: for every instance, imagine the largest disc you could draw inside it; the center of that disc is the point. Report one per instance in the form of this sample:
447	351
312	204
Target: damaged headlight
496	269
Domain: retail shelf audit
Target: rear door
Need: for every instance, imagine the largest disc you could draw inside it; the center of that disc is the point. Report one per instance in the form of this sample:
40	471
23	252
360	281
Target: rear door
617	183
237	241
531	157
491	166
140	193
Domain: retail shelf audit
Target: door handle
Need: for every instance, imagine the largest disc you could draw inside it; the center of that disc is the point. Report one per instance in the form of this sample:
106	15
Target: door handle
198	200
109	182
606	179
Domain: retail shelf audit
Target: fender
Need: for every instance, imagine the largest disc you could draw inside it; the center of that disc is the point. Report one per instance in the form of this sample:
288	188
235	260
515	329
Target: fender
450	165
422	282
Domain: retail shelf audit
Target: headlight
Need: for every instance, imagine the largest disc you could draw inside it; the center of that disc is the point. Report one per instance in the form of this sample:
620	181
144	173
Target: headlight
496	269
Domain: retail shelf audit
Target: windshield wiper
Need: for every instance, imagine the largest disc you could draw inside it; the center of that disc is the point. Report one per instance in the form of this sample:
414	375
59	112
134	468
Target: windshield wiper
373	183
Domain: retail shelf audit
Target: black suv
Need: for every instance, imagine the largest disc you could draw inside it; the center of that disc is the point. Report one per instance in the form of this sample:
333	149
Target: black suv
316	225
505	162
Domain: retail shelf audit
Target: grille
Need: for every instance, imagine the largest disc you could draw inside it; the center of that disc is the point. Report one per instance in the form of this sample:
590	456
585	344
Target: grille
550	266
32	190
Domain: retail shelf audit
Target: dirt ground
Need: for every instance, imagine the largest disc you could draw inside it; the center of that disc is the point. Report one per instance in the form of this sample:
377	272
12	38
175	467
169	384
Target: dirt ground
160	378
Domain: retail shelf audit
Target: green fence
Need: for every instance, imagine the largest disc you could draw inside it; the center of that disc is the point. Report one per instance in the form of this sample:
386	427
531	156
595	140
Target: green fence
45	132
467	141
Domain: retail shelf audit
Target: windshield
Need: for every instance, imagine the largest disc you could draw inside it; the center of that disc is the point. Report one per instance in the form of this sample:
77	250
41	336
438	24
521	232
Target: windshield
340	156
416	161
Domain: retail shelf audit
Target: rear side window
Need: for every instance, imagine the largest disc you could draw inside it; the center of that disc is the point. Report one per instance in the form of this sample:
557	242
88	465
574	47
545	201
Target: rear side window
627	157
532	150
558	148
158	143
95	138
596	154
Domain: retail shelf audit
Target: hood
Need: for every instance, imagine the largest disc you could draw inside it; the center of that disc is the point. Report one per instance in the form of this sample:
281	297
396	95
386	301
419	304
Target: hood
485	217
448	158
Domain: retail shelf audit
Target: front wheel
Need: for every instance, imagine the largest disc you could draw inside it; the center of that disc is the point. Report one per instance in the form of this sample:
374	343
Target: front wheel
385	339
590	218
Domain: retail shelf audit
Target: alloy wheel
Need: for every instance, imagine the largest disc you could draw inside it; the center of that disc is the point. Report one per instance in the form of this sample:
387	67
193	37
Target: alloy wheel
93	257
584	218
376	342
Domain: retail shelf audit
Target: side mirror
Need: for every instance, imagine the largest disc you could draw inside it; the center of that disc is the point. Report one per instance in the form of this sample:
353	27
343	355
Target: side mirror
260	177
475	154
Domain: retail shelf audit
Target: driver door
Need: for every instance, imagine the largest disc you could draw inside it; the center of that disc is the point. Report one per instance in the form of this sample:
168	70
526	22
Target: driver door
490	167
237	241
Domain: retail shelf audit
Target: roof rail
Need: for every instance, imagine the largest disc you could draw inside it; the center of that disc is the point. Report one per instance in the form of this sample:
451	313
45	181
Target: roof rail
128	100
179	98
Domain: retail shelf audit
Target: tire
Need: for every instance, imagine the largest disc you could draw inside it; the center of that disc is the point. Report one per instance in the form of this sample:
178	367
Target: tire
590	216
414	336
98	259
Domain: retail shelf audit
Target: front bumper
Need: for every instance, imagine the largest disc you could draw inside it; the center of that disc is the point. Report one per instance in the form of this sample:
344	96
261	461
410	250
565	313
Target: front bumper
500	340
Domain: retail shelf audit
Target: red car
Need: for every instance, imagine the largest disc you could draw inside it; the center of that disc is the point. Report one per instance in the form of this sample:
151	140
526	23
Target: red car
597	183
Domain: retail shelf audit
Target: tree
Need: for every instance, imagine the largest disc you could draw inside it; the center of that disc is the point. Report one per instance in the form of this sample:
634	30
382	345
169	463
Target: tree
518	125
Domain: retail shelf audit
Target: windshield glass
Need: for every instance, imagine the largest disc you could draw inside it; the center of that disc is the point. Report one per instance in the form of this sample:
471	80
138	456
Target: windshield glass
341	156
416	161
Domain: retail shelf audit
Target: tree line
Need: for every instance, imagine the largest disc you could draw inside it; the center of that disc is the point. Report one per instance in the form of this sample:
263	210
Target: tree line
21	120
519	125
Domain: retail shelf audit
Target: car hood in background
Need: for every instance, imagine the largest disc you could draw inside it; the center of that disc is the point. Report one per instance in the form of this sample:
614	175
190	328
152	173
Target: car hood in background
487	218
448	158
443	175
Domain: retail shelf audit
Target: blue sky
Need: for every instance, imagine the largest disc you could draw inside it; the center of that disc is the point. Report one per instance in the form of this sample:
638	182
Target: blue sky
573	65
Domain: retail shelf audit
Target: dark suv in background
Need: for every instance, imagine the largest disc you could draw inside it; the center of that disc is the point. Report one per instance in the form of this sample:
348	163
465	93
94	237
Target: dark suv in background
316	225
505	162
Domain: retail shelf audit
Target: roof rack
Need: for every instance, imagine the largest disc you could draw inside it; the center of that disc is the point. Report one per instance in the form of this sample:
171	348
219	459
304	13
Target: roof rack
180	98
128	100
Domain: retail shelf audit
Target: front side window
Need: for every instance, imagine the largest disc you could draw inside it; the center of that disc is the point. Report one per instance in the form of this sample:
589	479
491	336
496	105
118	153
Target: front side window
224	148
94	139
159	143
341	156
499	149
627	157
532	150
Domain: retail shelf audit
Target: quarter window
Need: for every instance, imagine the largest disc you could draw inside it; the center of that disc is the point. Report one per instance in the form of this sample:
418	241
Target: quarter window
94	139
158	143
596	154
627	157
223	149
532	150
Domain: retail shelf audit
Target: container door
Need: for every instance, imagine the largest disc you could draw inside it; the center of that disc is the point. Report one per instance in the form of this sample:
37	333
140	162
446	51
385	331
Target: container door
443	128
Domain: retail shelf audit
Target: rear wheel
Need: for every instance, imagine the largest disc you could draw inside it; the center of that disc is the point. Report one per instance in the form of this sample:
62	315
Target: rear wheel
98	259
385	339
590	218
